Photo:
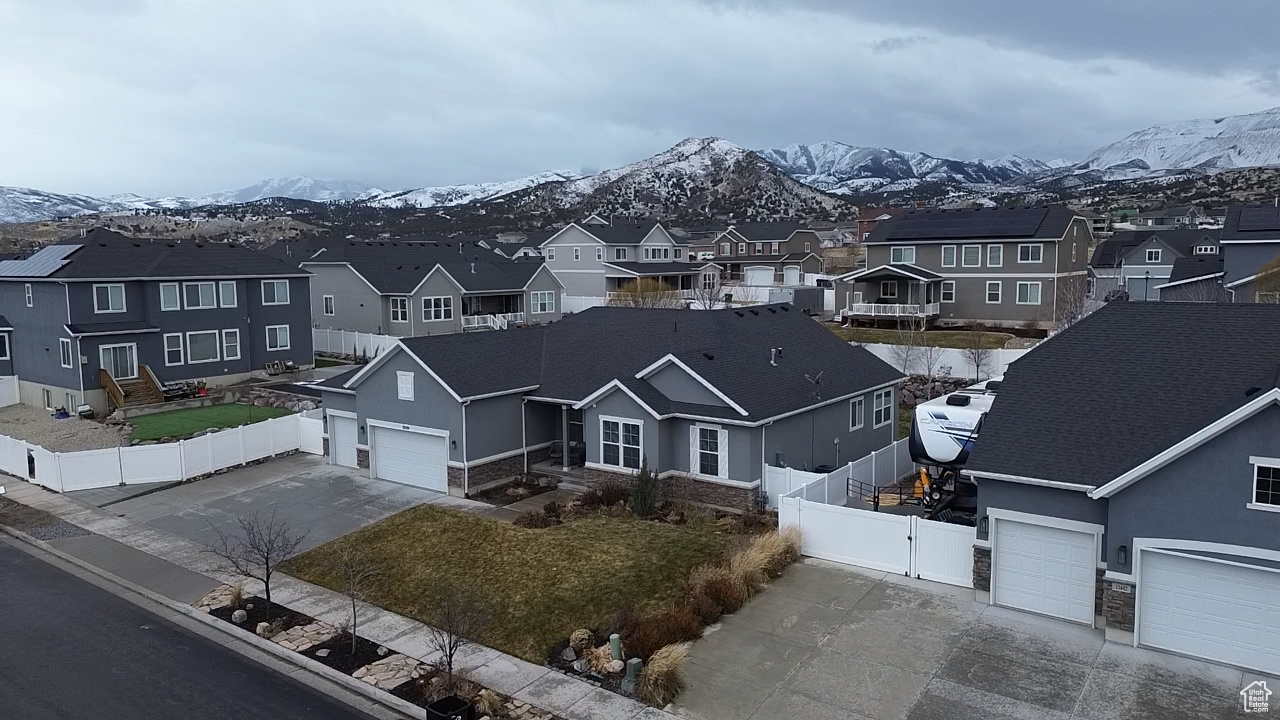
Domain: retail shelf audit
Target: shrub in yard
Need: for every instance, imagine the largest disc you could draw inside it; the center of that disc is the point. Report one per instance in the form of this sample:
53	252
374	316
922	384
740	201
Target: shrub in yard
605	493
533	519
644	491
706	609
552	510
235	598
720	586
581	639
750	567
775	550
673	625
621	622
661	682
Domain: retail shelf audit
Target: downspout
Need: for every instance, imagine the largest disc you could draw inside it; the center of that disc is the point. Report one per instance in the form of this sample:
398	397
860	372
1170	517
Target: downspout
1057	251
524	441
466	465
762	495
75	361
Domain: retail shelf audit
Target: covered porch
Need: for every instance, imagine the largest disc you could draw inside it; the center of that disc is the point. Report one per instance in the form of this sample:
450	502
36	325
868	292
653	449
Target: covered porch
893	292
680	278
492	312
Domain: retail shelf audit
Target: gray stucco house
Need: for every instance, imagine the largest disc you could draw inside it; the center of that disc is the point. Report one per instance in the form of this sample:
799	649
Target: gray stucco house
1139	264
707	396
768	253
1250	241
1001	267
595	258
104	308
1128	479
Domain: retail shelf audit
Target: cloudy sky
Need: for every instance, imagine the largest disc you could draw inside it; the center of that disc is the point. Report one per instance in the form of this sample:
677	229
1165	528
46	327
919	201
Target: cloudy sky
193	96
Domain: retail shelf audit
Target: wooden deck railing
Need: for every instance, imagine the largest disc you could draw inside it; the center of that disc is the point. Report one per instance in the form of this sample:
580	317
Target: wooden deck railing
114	393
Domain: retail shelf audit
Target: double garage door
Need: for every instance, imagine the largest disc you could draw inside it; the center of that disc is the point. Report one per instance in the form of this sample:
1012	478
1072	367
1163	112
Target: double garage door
403	456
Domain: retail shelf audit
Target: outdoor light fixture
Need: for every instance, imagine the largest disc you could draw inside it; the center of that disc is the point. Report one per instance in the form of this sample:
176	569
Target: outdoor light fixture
982	525
453	444
1122	554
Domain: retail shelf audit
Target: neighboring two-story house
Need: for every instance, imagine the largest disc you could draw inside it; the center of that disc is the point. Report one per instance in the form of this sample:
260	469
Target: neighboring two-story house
1185	216
104	314
764	254
1250	243
1000	267
594	259
1128	477
709	397
1135	264
431	288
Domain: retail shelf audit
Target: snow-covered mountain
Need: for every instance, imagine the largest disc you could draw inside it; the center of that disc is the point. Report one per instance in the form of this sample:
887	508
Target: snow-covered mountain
840	168
19	204
461	194
1223	143
296	187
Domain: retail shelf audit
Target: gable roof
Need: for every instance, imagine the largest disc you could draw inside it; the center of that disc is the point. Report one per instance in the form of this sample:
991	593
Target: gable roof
1251	223
399	268
1118	247
1170	212
1047	222
1132	367
107	255
767	231
911	272
573	358
1195	267
619	233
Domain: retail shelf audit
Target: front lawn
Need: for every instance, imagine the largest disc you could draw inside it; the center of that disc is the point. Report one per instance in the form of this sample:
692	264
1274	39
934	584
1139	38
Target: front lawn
323	362
181	423
937	338
541	584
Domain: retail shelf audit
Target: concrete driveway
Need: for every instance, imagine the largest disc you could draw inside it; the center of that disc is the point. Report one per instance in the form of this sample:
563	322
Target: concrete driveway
328	500
830	642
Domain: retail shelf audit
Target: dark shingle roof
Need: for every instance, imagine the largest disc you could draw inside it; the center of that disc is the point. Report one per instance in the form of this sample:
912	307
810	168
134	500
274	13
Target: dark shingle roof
1171	212
1252	222
492	276
767	231
1123	385
620	233
1111	251
398	268
337	381
104	254
1185	268
574	357
659	268
125	326
4	323
1047	222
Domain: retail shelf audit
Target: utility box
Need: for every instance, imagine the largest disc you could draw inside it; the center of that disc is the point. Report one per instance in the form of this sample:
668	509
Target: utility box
804	298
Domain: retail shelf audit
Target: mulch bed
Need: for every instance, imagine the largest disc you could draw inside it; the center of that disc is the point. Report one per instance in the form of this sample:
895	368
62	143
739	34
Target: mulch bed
612	683
261	612
511	492
339	656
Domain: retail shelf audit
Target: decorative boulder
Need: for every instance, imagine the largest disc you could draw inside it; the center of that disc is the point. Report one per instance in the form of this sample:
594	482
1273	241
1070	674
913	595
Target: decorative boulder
568	655
581	639
239	616
263	629
615	666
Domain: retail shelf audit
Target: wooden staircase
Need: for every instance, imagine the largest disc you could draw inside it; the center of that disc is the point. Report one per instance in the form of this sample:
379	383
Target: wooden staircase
144	390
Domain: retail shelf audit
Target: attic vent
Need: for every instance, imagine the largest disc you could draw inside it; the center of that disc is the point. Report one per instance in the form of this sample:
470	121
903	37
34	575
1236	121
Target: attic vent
1252	391
754	312
738	313
958	400
709	356
785	308
137	244
993	385
773	311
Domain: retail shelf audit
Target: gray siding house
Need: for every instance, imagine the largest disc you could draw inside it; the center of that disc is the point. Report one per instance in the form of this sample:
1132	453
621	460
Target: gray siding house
768	253
705	398
1137	264
1001	267
593	259
106	308
1251	241
1157	518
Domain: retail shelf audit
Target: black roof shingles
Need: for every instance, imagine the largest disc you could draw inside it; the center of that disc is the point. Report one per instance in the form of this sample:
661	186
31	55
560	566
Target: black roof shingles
1123	385
398	268
573	357
1050	222
1196	266
1116	248
104	254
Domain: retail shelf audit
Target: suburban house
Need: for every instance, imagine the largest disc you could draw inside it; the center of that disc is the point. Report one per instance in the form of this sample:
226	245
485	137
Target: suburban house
1001	267
106	320
1099	223
1250	242
1186	216
708	397
1128	478
426	288
1133	264
1195	279
764	254
870	217
593	260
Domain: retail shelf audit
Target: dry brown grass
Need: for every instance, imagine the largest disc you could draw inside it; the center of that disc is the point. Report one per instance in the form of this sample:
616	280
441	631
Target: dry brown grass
675	624
720	586
661	681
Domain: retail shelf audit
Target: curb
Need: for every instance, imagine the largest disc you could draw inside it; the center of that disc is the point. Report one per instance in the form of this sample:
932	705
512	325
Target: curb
377	695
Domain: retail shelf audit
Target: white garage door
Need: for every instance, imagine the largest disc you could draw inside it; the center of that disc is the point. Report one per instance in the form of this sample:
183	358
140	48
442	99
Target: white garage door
342	434
758	276
1209	609
1045	570
791	275
411	458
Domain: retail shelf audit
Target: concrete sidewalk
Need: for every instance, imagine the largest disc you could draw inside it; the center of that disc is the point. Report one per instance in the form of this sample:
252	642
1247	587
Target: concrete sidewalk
183	571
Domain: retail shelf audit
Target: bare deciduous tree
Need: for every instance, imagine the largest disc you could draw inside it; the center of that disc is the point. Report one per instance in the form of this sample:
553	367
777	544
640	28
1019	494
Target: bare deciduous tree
908	338
358	575
1072	301
647	293
455	616
1266	288
976	351
708	294
262	544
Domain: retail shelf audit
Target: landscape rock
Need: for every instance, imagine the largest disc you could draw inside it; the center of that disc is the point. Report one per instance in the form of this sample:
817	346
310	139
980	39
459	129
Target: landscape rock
322	652
239	616
568	655
615	666
263	629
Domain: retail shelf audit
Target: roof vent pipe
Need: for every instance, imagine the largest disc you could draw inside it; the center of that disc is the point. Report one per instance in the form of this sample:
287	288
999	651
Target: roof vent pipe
773	356
473	268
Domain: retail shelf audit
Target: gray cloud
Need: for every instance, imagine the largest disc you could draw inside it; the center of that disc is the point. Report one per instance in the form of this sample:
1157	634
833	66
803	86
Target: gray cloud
129	95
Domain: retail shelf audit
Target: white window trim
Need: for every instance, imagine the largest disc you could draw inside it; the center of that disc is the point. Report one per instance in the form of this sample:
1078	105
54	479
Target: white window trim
999	251
1257	462
964	262
599	253
726	249
402	311
999	292
181	349
889	283
30	299
620	420
328	305
223	286
722	451
861	403
1017	293
1206	250
534	302
902	251
277	300
619	253
403	391
551	253
942	291
742	248
954	255
577	254
758	248
1031	245
1157	252
226	355
217	346
64	347
213	295
124	303
429	310
6	353
775	249
875	397
269	328
177	295
137	366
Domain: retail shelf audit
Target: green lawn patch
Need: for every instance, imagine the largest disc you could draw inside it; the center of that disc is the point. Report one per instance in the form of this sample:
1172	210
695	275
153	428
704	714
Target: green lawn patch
180	423
936	338
329	362
541	584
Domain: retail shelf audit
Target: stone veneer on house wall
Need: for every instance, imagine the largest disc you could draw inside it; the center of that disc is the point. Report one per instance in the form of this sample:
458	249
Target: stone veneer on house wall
701	492
362	458
982	568
479	475
1118	604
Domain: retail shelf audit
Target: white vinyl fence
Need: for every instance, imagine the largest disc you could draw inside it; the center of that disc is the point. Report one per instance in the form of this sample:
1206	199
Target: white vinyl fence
169	462
578	303
8	391
880	469
949	362
346	342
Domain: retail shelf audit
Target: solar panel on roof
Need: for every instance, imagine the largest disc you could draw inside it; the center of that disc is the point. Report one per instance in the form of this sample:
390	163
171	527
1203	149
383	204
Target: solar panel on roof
43	263
1260	218
1005	222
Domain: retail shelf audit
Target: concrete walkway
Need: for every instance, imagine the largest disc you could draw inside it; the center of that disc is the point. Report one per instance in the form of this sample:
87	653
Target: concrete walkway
180	569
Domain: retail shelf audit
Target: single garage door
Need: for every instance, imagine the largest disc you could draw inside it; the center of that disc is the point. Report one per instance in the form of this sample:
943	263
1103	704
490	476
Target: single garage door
1045	570
1209	609
411	458
791	275
759	276
342	435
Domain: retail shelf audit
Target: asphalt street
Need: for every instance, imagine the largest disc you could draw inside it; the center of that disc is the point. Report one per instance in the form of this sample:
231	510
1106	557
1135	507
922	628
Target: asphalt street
69	650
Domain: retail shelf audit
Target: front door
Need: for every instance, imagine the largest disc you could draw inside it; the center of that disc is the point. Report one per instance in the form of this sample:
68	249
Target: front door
119	360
